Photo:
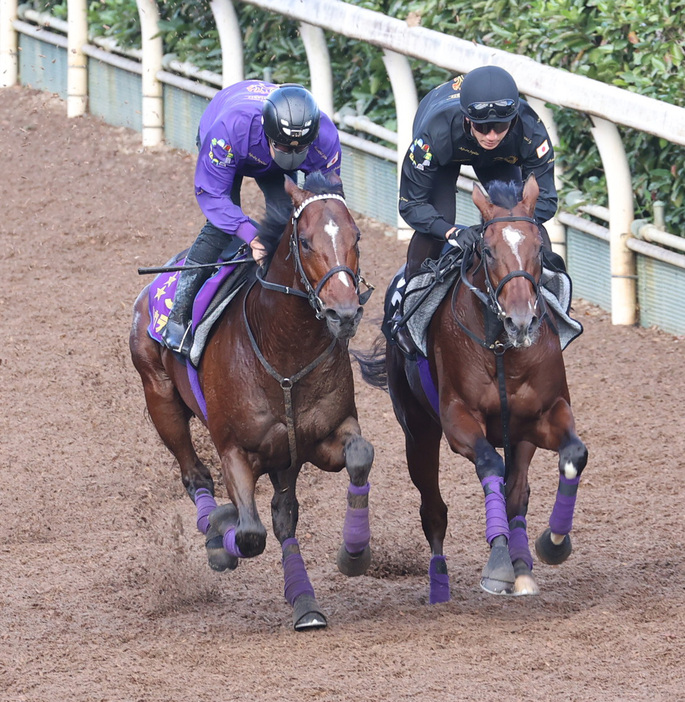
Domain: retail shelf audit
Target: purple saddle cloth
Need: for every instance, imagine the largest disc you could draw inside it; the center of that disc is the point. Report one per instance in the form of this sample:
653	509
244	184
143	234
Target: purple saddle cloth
209	303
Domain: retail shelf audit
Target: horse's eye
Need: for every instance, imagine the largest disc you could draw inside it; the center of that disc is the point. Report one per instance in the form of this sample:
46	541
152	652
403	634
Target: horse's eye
305	245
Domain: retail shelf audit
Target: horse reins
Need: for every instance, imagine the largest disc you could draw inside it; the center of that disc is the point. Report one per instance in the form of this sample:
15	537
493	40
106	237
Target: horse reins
312	295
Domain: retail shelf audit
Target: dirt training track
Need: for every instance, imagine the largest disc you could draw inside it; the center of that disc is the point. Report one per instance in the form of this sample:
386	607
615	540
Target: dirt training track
104	589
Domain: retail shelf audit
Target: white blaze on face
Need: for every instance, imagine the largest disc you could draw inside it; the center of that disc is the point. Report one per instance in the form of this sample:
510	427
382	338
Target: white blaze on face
513	237
332	230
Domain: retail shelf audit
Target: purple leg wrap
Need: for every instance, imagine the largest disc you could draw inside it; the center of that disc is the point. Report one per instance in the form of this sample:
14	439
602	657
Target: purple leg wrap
518	542
356	531
561	520
295	574
230	544
205	503
496	523
440	582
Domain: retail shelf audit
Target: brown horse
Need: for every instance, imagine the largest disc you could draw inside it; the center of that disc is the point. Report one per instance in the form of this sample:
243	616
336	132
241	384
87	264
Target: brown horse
278	389
494	377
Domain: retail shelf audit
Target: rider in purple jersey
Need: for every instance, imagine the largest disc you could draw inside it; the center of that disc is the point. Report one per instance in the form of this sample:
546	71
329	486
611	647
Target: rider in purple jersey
250	129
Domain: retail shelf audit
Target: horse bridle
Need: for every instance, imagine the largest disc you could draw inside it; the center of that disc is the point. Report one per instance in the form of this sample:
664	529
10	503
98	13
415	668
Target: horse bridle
492	298
311	292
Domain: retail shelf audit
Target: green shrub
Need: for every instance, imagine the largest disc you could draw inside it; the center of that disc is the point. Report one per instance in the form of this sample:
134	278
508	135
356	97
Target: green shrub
636	45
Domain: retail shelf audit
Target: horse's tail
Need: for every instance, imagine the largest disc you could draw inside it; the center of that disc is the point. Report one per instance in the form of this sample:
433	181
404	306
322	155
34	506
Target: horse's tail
372	364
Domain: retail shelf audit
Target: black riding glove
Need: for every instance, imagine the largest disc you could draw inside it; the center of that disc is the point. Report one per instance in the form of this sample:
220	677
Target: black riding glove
466	238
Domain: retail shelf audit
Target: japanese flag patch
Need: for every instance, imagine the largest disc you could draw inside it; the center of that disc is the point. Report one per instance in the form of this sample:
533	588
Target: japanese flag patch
542	149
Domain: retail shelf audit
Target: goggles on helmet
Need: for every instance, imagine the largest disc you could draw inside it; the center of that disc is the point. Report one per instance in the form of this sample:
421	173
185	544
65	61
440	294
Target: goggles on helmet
496	109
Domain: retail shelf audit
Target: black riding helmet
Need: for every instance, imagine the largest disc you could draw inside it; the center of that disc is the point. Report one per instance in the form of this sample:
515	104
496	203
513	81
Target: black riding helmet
291	116
489	94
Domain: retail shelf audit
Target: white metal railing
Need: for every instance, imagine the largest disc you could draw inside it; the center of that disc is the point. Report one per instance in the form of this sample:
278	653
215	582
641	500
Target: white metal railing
607	106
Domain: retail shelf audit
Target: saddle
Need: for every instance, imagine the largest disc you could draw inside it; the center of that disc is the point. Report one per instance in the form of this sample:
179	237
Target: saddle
414	302
211	300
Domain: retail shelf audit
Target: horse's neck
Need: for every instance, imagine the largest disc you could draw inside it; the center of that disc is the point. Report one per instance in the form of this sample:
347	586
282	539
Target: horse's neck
285	319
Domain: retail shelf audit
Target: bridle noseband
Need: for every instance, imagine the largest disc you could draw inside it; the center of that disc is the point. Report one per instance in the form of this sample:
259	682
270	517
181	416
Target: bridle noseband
311	292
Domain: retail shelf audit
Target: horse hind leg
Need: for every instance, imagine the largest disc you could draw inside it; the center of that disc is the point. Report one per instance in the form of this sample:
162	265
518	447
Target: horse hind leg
553	546
171	416
354	556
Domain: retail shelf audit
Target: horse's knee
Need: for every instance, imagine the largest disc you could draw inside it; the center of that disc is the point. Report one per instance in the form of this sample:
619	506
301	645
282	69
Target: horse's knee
573	459
359	455
488	462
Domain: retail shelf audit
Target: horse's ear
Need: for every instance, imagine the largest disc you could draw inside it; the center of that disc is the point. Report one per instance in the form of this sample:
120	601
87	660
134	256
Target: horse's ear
531	190
481	199
296	194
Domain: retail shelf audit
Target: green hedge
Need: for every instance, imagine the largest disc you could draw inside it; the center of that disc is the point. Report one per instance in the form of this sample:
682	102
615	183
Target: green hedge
635	44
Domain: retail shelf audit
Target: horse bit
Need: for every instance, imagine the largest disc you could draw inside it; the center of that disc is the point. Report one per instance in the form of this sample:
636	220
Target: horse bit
312	295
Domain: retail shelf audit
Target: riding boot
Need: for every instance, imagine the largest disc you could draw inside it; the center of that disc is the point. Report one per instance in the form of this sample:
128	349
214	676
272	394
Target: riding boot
421	247
177	333
403	338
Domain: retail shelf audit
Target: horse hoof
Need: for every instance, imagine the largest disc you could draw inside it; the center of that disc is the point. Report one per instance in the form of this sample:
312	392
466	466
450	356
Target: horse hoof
498	575
525	585
223	517
219	559
353	564
548	552
307	615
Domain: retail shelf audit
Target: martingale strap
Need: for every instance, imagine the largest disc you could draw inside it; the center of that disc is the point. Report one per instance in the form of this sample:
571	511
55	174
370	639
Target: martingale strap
286	384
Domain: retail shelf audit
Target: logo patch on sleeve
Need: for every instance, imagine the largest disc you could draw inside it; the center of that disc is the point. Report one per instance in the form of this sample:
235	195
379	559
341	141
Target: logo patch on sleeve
420	154
542	149
334	160
220	153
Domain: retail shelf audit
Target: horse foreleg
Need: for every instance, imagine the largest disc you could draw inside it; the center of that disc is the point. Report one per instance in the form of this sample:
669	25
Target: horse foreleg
347	447
553	546
518	493
243	535
297	589
465	436
354	556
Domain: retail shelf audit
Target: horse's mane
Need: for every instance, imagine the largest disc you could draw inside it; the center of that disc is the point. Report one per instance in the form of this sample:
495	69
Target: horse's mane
273	225
505	194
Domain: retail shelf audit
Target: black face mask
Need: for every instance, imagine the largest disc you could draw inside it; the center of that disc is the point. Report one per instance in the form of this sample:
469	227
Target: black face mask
289	161
289	157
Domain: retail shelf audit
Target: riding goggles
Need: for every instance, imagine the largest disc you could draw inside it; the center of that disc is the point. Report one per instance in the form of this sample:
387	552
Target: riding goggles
287	149
486	127
497	109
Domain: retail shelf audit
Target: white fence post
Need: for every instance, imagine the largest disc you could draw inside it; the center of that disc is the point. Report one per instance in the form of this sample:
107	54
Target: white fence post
152	103
319	61
77	62
406	104
231	40
620	194
8	44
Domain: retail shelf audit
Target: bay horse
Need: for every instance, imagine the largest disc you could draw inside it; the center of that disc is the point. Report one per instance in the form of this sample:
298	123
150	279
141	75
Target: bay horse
495	378
278	386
